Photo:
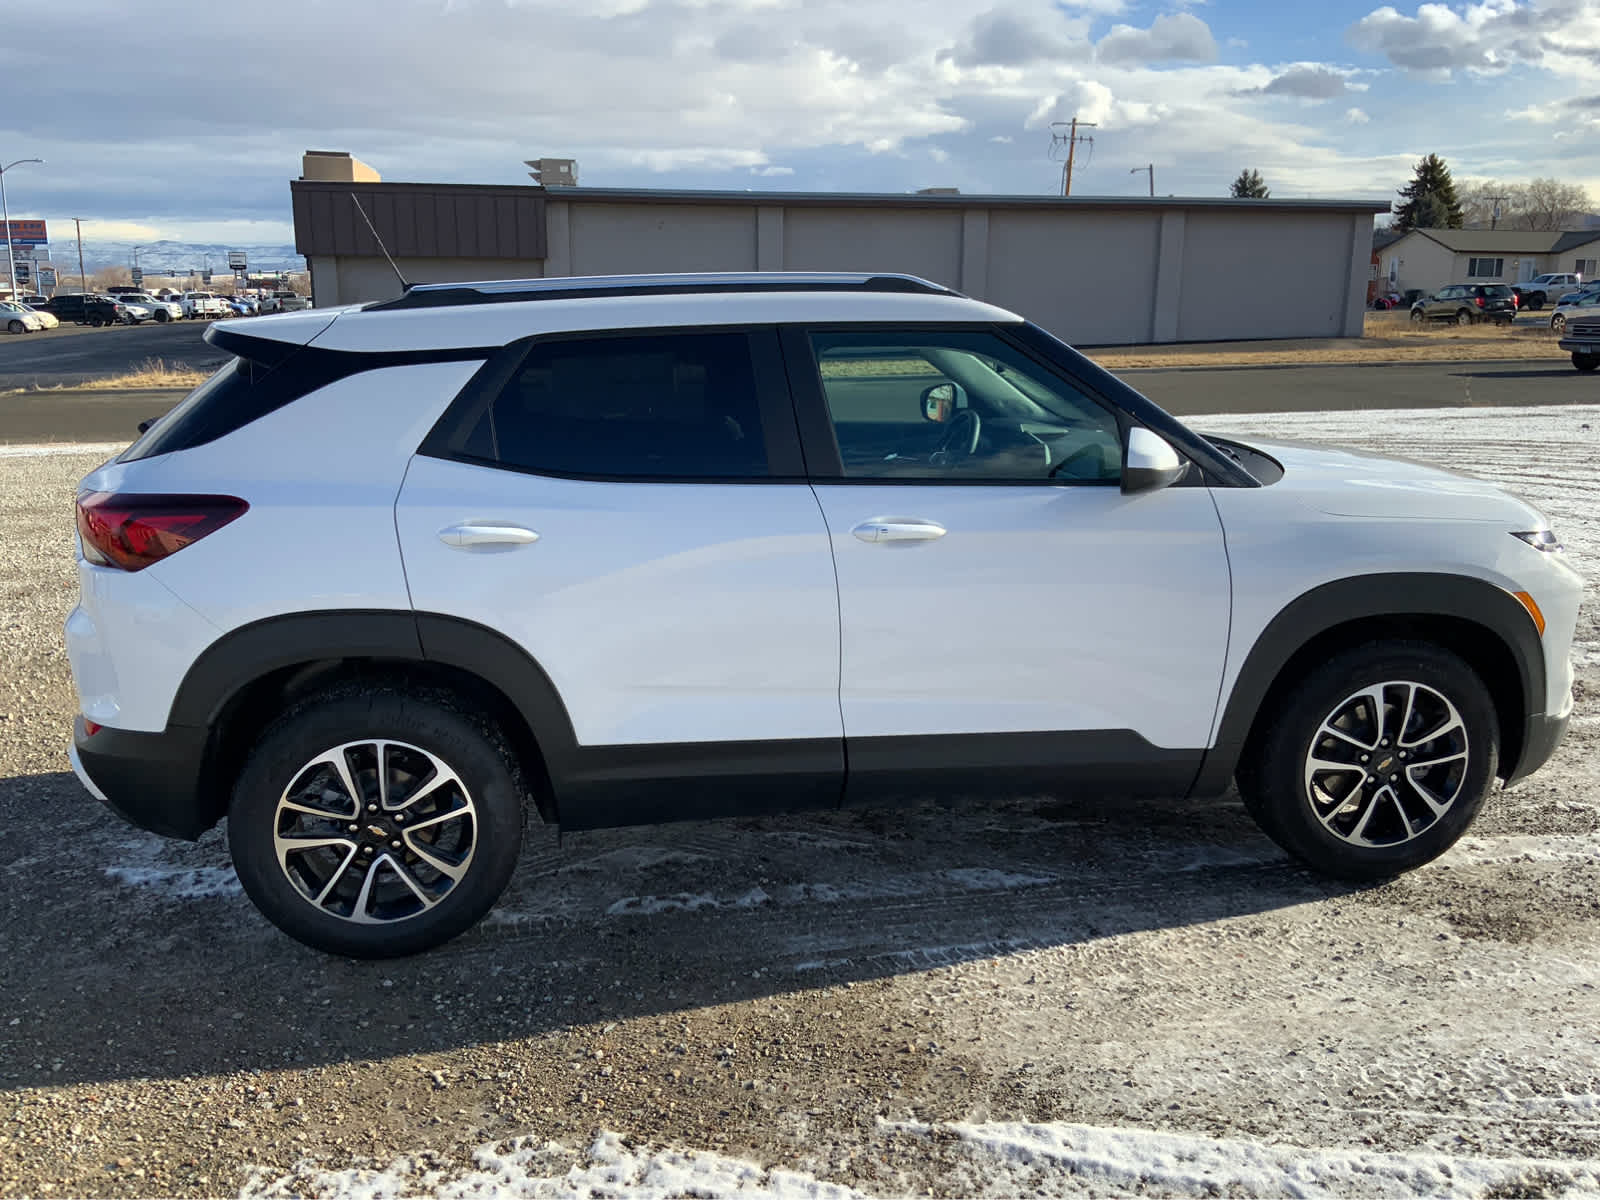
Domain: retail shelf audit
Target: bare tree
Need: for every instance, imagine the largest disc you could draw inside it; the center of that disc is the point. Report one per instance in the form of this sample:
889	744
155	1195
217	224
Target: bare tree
1542	206
1549	205
111	277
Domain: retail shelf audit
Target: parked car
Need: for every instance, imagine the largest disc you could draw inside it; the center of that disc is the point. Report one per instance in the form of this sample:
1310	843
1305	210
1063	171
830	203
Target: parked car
18	318
88	308
199	306
1550	287
160	310
240	306
1581	337
1587	299
1467	303
47	319
670	550
284	301
135	314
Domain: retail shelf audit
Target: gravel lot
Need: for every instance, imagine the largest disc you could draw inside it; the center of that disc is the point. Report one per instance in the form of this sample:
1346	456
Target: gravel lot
1058	995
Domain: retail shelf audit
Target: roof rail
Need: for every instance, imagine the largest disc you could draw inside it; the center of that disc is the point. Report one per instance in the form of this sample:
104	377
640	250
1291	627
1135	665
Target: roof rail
577	287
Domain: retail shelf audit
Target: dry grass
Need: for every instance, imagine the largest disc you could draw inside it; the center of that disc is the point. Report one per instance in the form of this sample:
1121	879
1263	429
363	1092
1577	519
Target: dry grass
1388	337
153	373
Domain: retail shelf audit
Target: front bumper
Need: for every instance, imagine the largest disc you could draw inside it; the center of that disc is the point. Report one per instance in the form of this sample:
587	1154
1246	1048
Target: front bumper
1541	734
152	780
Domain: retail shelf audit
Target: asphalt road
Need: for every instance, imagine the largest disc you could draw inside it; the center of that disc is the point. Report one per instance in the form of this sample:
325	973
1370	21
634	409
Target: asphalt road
72	354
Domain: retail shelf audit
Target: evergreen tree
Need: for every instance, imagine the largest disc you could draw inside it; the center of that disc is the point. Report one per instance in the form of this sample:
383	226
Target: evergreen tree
1430	200
1250	186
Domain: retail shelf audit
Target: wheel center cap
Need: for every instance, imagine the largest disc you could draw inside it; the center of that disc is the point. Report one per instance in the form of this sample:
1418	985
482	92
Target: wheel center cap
377	832
1386	765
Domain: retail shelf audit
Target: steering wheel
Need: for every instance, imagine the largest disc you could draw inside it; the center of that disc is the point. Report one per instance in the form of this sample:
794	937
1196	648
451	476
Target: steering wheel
960	440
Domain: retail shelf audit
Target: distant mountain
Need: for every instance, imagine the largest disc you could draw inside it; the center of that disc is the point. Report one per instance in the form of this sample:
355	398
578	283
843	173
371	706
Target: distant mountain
160	258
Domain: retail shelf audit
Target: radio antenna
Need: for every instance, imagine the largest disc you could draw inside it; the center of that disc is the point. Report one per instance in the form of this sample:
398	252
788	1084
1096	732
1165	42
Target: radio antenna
404	286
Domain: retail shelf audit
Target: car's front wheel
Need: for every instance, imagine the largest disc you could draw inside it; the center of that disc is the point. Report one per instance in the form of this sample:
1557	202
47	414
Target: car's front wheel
1558	322
1585	362
1417	316
16	327
377	823
1376	762
1464	317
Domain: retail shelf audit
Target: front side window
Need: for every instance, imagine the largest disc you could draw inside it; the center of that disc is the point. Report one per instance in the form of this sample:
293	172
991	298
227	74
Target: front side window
944	406
654	406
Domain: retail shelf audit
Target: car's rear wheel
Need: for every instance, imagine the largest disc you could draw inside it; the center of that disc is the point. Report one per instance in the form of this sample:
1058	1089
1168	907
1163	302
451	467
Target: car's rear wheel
96	322
16	327
376	823
1464	317
1534	300
1417	316
1558	322
1585	362
1377	762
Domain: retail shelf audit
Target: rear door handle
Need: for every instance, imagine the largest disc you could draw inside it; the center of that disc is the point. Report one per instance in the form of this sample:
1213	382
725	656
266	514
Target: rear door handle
466	536
896	529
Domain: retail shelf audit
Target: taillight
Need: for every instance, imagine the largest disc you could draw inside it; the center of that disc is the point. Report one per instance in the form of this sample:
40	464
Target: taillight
131	532
1480	301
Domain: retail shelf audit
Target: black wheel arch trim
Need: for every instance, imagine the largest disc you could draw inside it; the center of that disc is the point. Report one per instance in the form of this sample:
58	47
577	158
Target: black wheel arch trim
1391	595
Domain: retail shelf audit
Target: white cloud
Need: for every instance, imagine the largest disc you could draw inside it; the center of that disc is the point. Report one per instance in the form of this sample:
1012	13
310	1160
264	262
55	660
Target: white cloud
1175	37
770	172
1017	34
1485	38
1003	139
1356	116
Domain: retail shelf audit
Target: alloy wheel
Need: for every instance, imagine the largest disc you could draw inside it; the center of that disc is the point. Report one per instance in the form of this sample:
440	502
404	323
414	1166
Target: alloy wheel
1387	763
375	831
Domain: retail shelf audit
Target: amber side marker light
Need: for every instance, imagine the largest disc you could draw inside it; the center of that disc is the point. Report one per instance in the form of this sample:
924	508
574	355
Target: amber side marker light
1533	610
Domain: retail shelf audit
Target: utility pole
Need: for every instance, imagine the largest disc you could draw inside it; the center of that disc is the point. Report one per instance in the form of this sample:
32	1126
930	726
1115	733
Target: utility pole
1151	168
83	280
1494	213
1070	140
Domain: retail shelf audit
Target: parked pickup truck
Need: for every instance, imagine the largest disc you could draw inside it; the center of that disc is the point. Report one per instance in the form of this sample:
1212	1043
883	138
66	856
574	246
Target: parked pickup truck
1548	288
1582	339
205	306
284	301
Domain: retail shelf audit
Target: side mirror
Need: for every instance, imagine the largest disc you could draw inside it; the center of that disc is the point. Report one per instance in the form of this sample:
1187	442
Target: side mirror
1148	463
941	401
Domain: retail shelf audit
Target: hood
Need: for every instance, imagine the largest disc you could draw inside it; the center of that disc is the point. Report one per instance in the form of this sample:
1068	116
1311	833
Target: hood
1352	483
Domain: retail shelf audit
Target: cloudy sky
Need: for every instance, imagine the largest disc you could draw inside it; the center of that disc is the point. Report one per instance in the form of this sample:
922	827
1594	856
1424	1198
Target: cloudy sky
186	119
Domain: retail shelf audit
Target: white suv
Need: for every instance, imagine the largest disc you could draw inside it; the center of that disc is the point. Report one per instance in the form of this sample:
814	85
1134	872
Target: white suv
636	549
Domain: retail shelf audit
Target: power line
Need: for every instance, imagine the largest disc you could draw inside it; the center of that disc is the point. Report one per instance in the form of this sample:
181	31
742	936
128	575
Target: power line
1069	140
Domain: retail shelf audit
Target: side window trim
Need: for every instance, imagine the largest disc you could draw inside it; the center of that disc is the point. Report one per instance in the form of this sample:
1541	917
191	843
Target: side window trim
785	459
823	459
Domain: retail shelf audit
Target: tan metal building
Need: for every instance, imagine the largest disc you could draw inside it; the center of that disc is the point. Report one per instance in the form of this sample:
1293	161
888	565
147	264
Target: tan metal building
1093	270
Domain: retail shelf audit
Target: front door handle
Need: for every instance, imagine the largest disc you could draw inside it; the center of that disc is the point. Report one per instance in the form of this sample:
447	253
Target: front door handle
468	535
899	529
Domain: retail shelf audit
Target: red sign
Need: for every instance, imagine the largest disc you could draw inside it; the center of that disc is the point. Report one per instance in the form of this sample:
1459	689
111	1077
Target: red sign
28	233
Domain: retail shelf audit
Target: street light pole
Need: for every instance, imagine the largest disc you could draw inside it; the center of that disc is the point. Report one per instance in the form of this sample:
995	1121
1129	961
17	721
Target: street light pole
1152	170
83	280
5	215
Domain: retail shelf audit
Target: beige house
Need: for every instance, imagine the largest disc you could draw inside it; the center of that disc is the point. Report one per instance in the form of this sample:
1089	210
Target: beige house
1093	270
1431	258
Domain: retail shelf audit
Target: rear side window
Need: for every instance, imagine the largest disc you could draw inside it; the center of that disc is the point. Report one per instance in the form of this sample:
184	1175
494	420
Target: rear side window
241	392
661	406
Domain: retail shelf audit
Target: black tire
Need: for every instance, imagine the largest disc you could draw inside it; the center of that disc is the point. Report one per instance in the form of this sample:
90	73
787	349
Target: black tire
1534	301
163	316
1418	316
16	327
1464	316
1585	362
1274	781
96	322
427	724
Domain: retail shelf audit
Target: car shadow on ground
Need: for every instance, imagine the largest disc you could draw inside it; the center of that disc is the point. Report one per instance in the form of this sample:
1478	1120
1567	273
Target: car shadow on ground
1564	371
128	956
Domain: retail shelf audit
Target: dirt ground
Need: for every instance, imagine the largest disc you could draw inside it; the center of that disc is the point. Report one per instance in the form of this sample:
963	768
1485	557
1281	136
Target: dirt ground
1063	995
1388	337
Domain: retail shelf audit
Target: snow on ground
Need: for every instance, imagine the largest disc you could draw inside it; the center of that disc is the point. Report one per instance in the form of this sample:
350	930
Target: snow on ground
994	1159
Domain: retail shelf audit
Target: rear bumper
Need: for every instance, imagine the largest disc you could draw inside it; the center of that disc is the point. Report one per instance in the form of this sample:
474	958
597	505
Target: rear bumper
152	780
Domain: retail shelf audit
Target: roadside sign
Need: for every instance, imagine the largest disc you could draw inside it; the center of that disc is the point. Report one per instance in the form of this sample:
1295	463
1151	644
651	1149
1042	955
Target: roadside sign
138	277
24	271
236	260
47	277
28	233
